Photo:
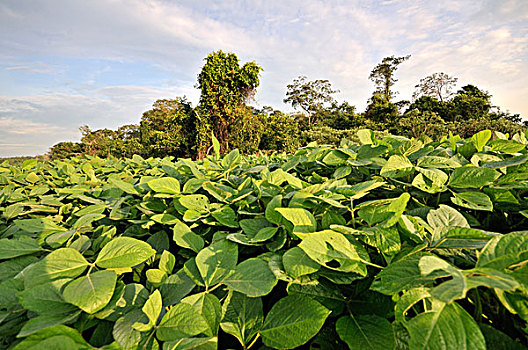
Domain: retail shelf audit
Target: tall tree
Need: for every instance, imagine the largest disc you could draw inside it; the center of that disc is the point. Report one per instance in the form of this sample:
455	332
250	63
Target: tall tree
225	88
438	85
383	75
309	96
169	129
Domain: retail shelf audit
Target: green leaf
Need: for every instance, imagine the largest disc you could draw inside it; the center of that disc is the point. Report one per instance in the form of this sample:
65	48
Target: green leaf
226	216
242	316
55	337
504	250
122	252
480	139
175	287
11	248
252	277
496	339
180	322
167	185
92	292
123	333
472	177
445	217
473	200
216	145
38	225
61	263
292	321
184	237
271	214
209	307
124	186
332	250
41	322
365	332
303	221
506	146
196	202
216	261
153	306
397	166
297	263
450	327
401	275
46	298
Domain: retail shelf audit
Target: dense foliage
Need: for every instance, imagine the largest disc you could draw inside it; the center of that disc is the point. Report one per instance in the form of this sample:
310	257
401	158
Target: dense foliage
389	243
173	127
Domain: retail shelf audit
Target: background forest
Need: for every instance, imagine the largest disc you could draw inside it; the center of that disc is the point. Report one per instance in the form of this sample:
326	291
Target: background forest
173	127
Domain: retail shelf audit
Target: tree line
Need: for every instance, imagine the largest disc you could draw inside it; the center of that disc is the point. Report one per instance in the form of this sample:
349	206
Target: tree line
173	127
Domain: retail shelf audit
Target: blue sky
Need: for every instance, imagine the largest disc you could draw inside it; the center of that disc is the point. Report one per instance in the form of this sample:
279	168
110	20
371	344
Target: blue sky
67	63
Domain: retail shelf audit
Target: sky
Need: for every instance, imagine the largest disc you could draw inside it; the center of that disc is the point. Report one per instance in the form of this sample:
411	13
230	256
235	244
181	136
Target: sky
102	63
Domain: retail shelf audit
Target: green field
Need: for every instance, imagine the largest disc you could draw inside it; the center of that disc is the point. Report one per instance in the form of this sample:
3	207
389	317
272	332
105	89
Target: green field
384	244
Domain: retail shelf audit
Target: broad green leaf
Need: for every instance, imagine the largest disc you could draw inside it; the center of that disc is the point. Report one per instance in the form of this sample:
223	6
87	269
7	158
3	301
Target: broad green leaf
167	185
92	292
365	332
11	248
122	252
473	200
496	339
46	298
184	237
167	262
124	186
38	225
205	343
506	146
242	316
216	261
56	337
41	322
153	306
464	237
292	321
397	166
297	263
472	177
164	219
175	287
332	250
251	227
252	277
226	216
437	162
61	263
123	333
180	322
480	139
366	136
504	250
401	275
207	305
450	327
445	217
303	221
196	202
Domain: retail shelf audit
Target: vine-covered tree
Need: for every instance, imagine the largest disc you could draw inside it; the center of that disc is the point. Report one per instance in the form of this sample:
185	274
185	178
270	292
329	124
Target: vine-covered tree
309	96
225	88
383	75
437	85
